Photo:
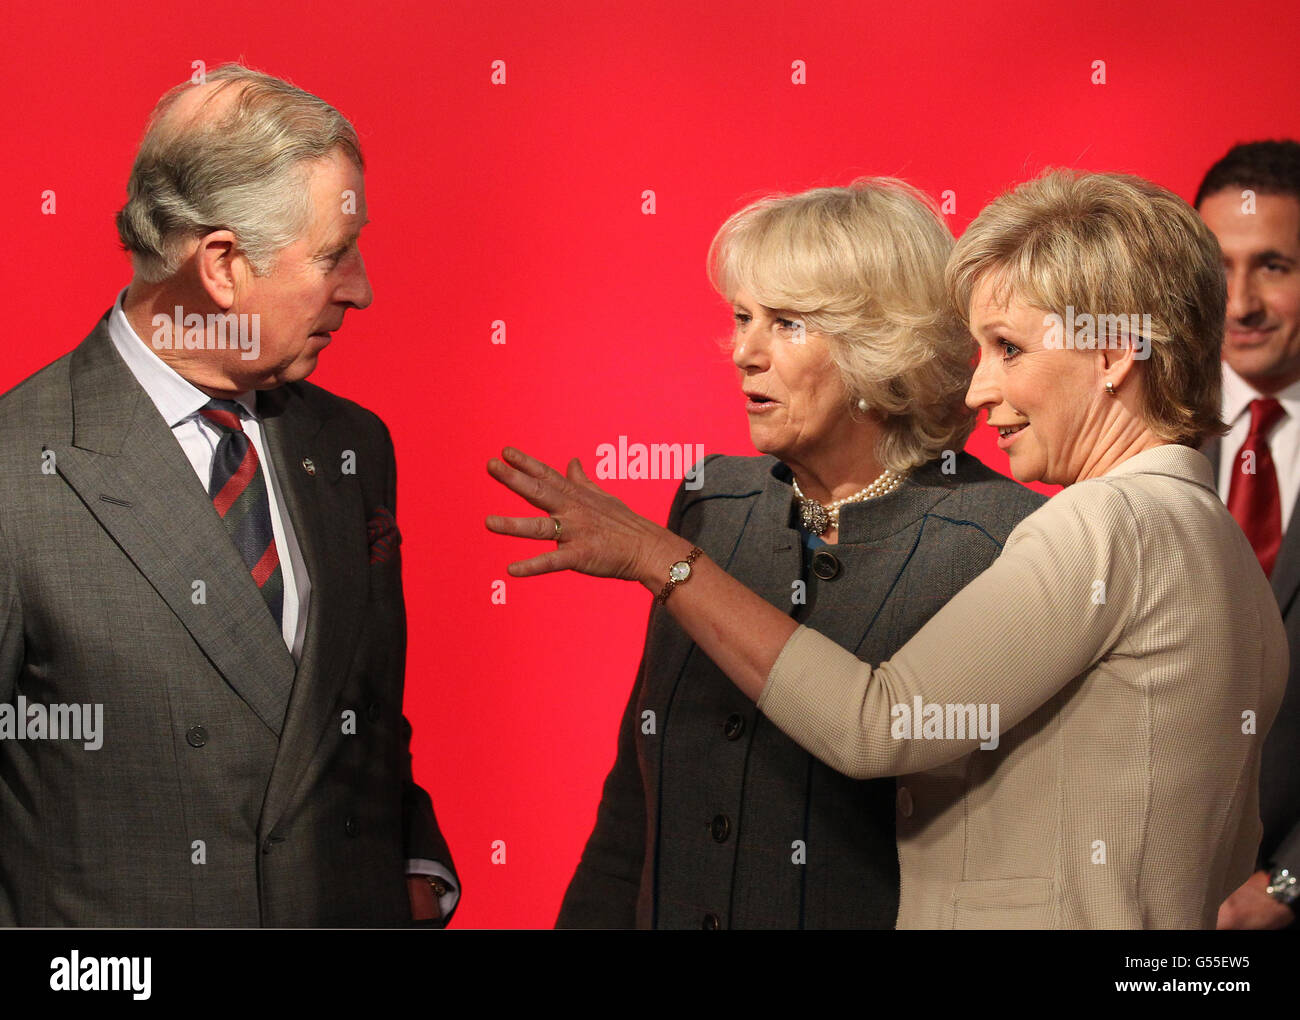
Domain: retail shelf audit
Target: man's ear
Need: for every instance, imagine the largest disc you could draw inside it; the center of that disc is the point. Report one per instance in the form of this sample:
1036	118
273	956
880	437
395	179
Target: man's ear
219	267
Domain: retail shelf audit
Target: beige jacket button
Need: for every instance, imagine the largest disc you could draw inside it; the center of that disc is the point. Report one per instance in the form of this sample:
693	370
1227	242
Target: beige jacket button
905	802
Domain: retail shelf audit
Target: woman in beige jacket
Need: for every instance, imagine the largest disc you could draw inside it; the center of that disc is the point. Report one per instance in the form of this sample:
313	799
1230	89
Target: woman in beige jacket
1078	732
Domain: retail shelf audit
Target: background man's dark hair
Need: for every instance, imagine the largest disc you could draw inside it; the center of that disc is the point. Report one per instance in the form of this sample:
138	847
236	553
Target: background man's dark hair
1267	168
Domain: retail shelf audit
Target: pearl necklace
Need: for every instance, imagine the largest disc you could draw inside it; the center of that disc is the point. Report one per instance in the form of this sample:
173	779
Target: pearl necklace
818	519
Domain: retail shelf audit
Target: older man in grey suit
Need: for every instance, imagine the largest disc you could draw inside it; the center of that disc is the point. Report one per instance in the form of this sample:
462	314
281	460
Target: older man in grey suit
200	548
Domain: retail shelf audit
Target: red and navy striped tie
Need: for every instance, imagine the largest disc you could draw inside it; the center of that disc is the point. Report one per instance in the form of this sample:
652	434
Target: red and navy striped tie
238	491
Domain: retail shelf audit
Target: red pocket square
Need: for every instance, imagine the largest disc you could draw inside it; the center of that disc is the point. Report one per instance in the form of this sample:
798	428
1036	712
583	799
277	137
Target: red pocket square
382	533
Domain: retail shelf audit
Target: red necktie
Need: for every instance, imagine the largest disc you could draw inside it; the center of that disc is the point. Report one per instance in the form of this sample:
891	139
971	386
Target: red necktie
1253	497
238	491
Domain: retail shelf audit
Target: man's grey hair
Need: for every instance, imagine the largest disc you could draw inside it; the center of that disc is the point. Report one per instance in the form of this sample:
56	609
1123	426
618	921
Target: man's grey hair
244	170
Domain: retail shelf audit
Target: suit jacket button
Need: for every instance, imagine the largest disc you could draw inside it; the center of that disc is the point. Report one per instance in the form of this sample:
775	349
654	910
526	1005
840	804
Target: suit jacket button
710	922
905	802
196	736
734	726
825	565
372	711
721	828
351	827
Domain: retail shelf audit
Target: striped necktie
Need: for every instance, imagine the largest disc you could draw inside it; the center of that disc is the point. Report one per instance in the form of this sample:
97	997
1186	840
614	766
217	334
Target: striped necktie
238	491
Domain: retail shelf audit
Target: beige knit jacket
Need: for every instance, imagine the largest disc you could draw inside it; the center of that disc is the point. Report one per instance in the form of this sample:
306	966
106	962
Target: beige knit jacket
1131	650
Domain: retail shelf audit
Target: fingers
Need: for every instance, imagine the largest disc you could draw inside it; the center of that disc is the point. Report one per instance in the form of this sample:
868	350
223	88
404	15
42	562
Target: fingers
541	487
530	466
575	473
547	563
542	528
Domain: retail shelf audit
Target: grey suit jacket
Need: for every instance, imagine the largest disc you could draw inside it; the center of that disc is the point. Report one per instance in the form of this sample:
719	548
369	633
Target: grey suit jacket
711	816
1279	778
217	798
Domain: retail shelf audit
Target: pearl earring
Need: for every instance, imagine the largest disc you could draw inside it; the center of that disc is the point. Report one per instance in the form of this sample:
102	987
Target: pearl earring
863	406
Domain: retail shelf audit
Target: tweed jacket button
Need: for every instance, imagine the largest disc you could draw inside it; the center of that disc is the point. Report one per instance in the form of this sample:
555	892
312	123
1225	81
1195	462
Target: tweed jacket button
710	922
196	736
825	565
734	726
905	802
721	828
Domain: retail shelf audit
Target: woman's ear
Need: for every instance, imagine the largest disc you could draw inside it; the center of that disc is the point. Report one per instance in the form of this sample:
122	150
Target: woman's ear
1119	361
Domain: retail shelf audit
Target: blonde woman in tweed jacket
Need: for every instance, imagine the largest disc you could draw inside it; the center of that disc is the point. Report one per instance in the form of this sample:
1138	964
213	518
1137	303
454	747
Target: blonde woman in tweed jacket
1124	652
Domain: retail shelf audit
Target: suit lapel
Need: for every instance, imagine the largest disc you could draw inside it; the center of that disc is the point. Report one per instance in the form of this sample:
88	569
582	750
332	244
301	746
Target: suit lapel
1285	578
126	466
765	555
329	521
1211	451
765	567
876	541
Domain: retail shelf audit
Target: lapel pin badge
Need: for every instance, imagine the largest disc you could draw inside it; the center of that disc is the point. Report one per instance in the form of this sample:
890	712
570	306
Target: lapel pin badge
309	466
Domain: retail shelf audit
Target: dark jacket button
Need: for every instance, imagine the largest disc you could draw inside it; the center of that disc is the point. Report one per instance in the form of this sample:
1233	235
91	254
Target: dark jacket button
825	565
734	726
710	922
351	827
721	828
372	711
196	736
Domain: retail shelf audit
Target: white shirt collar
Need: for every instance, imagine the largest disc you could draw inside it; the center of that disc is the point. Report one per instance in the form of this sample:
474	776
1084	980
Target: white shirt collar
1237	395
176	398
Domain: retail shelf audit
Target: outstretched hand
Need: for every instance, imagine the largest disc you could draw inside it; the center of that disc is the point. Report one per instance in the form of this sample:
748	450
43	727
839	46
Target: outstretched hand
597	534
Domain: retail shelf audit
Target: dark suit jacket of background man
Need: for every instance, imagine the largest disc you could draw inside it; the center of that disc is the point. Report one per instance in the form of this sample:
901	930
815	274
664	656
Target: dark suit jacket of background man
1279	772
297	823
698	821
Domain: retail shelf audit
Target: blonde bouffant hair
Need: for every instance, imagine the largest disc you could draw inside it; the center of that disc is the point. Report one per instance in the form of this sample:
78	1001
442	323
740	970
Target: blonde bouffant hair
863	266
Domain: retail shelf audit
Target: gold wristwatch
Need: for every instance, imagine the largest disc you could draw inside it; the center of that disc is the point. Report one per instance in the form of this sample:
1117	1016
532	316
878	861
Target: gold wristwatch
678	573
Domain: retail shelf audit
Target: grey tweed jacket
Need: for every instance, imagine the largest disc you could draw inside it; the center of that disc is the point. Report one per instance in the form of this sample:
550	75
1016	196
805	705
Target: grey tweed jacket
231	788
711	817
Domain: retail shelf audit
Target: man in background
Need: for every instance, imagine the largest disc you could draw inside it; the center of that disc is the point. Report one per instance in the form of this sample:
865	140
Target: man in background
1250	199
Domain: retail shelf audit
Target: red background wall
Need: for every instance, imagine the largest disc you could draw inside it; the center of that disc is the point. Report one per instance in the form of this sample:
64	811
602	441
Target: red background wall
522	202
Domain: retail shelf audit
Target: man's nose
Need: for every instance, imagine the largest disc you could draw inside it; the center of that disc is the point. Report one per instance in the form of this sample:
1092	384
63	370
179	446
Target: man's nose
355	289
1243	301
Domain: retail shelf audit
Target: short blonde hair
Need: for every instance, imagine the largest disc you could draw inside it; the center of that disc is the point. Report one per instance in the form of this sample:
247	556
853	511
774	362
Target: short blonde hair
863	266
1112	244
244	170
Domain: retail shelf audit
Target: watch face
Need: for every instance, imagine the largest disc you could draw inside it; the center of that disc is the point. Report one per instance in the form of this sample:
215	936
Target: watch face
679	571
